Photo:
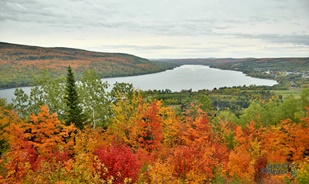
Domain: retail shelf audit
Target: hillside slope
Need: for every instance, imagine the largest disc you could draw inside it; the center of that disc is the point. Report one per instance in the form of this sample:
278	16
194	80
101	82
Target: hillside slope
19	64
290	72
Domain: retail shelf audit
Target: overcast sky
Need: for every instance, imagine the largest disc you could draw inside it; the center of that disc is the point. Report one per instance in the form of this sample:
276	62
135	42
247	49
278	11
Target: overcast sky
162	28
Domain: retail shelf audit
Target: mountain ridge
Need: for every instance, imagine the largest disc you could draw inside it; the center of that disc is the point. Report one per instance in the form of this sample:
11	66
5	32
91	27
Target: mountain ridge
19	64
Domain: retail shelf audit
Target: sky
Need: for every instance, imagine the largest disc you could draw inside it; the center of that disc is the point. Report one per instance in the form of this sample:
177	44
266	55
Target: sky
156	29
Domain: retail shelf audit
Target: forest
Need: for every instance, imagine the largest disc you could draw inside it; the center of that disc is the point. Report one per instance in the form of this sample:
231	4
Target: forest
68	132
19	64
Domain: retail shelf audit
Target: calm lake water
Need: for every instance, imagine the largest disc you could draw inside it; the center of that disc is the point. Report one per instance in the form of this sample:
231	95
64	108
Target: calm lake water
186	77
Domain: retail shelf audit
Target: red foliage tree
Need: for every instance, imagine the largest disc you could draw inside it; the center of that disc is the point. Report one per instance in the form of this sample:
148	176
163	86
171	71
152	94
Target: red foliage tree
121	163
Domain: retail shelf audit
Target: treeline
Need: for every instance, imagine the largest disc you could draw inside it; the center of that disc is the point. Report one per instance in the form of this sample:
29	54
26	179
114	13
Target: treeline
234	99
289	72
19	64
129	136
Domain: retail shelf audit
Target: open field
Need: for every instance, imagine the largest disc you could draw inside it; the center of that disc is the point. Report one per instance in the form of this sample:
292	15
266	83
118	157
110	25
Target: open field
292	91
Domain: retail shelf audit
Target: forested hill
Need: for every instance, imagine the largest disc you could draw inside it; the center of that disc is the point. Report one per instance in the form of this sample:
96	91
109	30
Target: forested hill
290	72
19	64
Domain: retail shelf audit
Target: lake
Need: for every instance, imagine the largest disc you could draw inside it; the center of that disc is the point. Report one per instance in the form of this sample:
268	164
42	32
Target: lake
185	77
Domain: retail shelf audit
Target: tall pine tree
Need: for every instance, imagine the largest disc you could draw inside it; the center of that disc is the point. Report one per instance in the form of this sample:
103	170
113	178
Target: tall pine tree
74	112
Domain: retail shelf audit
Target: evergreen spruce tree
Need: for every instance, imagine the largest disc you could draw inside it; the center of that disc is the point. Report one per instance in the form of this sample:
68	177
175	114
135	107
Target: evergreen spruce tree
74	112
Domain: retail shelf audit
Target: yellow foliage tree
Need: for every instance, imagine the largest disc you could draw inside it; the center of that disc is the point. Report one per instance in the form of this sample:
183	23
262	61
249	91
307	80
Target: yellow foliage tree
124	122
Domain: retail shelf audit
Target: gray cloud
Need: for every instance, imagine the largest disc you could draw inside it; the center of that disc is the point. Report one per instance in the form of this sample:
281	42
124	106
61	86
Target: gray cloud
136	47
61	13
31	11
203	22
292	39
157	17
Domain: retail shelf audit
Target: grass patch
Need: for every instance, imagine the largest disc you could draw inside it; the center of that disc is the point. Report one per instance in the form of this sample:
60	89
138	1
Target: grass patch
296	92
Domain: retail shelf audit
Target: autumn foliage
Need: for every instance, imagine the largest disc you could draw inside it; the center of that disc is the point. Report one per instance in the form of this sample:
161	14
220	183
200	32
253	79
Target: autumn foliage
147	142
120	163
19	64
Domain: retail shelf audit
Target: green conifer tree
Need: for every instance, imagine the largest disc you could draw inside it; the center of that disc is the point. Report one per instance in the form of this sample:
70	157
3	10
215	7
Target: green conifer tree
74	112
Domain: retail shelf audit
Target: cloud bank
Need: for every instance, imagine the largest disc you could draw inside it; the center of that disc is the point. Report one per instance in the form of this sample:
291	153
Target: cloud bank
162	28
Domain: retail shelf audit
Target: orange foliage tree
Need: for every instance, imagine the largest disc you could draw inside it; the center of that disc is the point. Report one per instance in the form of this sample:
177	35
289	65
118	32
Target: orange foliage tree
288	141
150	128
247	151
43	139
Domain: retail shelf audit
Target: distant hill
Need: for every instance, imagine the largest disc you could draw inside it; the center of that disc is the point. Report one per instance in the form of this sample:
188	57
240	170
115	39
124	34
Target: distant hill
273	64
19	64
201	61
226	63
289	72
